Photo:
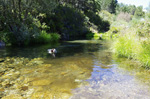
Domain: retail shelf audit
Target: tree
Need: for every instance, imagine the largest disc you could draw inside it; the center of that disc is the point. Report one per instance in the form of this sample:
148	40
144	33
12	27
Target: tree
83	5
109	5
112	6
126	8
139	12
17	16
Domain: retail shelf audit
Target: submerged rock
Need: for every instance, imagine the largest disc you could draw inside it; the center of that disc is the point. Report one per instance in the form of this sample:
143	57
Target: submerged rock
41	82
42	95
32	78
13	96
24	88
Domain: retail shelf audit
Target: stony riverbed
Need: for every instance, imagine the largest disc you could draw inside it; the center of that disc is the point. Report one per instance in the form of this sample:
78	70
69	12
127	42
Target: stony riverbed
24	78
80	70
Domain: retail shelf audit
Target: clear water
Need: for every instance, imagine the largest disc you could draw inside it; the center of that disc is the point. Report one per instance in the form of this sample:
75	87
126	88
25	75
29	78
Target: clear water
82	69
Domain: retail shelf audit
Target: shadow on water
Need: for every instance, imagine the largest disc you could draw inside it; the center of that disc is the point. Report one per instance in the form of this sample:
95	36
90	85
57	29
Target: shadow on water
81	69
63	49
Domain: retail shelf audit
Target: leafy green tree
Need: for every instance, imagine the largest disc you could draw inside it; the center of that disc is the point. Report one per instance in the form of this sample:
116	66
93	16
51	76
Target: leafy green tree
109	5
126	8
17	17
84	5
112	6
139	12
132	9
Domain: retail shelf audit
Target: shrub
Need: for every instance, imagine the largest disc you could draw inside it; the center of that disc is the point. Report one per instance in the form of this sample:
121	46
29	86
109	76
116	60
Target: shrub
88	35
127	46
115	29
93	36
134	22
143	28
124	16
6	37
144	54
44	37
55	37
119	24
106	15
19	35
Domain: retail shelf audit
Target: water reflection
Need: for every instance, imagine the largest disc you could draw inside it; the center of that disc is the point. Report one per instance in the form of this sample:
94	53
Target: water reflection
55	77
64	49
80	69
111	83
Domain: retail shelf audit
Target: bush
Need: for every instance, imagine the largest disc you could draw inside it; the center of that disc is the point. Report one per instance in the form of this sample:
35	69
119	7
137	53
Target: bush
55	37
90	35
127	46
44	37
144	54
143	28
6	36
134	22
115	29
106	16
19	35
124	16
93	36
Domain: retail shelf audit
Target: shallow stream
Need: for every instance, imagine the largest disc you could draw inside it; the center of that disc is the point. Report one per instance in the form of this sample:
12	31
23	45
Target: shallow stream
82	69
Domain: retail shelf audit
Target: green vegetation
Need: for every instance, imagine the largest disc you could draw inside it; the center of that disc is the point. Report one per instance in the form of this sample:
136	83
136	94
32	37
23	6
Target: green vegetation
129	30
127	45
46	38
28	22
25	22
133	41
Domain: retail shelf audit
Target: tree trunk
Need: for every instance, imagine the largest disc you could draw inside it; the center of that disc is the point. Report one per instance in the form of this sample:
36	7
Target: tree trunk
19	4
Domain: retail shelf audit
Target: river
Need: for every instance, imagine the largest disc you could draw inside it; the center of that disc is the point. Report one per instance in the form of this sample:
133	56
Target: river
82	69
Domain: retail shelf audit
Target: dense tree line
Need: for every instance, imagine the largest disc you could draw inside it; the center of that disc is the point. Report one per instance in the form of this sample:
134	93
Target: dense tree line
94	5
131	9
21	19
27	21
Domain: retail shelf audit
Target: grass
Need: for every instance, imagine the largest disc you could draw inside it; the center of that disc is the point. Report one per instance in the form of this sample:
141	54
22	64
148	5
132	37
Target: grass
144	54
133	48
126	45
130	44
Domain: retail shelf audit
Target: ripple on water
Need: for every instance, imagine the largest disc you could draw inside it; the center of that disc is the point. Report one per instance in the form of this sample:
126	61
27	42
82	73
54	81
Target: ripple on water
80	70
111	83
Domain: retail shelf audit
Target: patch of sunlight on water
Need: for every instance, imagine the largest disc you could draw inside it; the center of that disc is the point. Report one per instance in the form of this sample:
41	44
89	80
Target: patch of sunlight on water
59	76
82	69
